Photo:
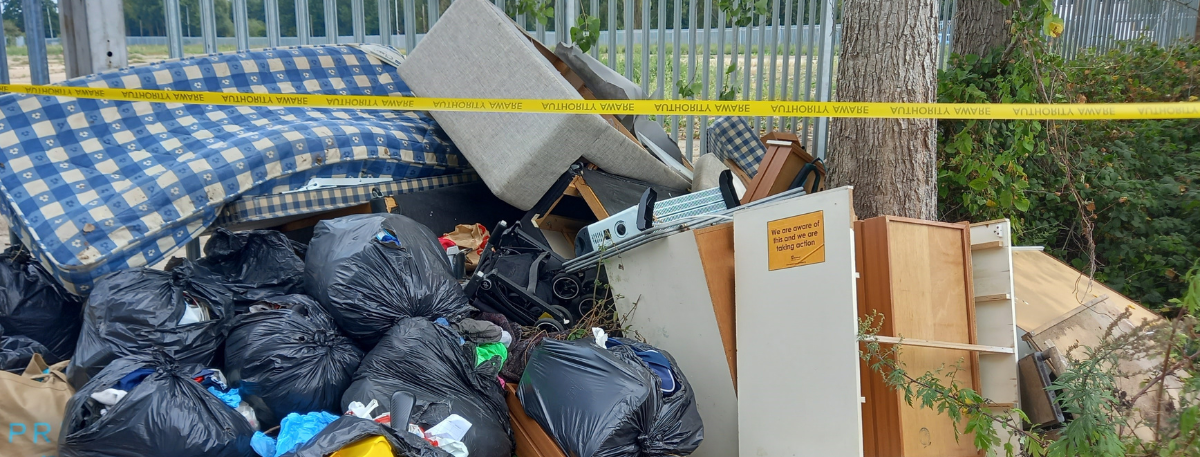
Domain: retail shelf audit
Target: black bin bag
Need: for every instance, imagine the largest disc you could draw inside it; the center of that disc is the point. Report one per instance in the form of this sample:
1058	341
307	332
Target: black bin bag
139	309
370	270
289	360
348	430
426	360
168	414
254	265
16	351
34	305
608	402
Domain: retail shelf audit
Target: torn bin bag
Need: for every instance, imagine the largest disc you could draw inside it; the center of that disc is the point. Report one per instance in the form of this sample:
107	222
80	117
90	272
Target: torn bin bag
426	360
293	360
348	430
370	270
166	414
599	402
135	310
34	305
254	265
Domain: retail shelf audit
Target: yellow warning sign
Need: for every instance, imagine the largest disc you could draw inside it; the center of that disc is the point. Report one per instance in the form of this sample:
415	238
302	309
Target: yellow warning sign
795	241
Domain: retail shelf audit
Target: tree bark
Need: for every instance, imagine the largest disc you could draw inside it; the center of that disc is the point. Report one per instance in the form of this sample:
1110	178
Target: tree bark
889	51
1197	39
980	26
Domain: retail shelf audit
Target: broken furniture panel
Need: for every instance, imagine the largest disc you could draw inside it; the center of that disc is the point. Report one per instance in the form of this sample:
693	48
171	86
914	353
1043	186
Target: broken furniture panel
1039	404
665	291
797	350
917	274
995	318
785	161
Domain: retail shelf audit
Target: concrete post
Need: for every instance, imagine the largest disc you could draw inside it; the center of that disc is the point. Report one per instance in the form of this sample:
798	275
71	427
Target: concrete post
93	35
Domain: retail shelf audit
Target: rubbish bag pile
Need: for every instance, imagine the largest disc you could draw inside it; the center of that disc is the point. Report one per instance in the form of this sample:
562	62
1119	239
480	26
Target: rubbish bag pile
365	346
228	356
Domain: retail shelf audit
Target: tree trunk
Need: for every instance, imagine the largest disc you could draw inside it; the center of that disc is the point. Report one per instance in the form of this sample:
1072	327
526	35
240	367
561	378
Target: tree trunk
1197	27
889	50
980	26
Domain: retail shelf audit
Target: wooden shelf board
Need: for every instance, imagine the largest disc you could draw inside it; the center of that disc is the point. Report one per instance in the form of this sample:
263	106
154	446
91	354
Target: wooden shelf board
987	245
993	297
944	345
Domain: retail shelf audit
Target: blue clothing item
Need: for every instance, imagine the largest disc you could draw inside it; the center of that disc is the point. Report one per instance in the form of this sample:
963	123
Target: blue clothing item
296	429
658	364
231	398
131	380
263	444
212	378
387	238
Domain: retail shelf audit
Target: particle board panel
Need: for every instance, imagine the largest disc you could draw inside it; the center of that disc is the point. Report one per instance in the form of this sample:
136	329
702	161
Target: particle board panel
1046	288
995	318
798	371
716	257
1085	327
660	288
917	274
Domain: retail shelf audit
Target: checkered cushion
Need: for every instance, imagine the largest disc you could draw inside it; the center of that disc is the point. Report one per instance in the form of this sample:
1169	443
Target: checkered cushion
735	138
95	186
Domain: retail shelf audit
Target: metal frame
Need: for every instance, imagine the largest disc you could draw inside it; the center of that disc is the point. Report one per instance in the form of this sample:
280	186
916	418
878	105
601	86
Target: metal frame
793	49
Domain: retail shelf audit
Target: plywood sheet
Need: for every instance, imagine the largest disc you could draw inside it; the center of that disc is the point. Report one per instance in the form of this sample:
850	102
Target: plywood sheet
674	312
1046	289
798	372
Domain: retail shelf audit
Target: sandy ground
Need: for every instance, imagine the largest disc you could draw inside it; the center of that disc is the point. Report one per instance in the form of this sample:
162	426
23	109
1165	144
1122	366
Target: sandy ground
18	69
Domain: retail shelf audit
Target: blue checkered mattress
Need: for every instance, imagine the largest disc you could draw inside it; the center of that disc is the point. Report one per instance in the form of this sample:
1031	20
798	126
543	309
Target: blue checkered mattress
96	186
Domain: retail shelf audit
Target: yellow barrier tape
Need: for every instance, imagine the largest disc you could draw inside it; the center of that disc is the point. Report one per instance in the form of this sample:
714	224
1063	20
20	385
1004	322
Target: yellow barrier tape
1093	111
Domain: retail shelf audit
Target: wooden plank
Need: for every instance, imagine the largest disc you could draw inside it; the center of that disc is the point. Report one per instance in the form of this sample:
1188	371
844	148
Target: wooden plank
529	438
993	297
737	171
589	196
987	245
364	208
798	380
944	345
716	257
665	279
881	435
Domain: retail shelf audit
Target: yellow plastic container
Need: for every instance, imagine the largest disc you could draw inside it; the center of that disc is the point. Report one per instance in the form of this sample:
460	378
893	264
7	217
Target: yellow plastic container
375	446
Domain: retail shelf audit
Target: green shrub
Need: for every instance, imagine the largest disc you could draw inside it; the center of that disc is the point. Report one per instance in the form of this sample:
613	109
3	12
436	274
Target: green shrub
1133	183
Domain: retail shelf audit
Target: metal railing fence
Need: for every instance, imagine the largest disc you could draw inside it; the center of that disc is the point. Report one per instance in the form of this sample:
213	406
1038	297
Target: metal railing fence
666	46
